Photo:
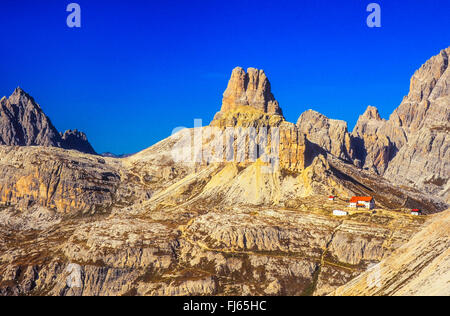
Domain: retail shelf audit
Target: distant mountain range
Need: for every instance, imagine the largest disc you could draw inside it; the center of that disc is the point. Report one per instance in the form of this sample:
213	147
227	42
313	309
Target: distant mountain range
111	155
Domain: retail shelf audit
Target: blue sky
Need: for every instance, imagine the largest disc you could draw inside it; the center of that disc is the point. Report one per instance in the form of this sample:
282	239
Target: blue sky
135	70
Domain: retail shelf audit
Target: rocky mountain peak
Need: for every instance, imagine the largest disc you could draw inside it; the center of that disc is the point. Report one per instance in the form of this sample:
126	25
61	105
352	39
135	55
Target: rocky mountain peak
411	148
371	113
331	135
23	123
310	114
427	101
251	88
428	76
20	97
19	90
74	139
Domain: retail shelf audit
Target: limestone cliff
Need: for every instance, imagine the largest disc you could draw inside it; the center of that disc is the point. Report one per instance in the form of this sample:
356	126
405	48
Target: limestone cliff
68	184
426	105
424	162
248	103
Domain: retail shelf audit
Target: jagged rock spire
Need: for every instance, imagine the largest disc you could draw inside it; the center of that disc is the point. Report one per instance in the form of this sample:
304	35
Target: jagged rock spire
371	114
251	88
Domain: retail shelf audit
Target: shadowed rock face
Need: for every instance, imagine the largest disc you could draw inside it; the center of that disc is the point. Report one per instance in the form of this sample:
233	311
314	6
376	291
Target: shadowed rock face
73	139
376	141
331	135
23	123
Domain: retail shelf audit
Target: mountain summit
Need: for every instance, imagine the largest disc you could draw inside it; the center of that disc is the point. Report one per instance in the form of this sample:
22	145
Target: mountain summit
251	88
23	123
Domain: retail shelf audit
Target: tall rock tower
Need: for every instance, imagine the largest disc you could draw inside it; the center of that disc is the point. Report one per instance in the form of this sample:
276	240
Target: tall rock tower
251	88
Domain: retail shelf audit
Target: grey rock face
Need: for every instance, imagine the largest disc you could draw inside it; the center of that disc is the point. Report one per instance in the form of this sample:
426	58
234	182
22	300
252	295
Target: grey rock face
427	105
331	135
412	147
424	162
376	141
23	123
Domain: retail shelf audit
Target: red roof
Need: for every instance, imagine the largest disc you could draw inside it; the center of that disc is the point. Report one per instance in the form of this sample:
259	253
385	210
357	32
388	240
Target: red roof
415	210
331	197
356	199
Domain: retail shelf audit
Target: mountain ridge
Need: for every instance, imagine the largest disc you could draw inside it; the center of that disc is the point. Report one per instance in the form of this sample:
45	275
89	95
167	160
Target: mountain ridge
417	127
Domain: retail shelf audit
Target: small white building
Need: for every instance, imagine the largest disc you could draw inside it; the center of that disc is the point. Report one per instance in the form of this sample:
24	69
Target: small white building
416	212
331	198
340	213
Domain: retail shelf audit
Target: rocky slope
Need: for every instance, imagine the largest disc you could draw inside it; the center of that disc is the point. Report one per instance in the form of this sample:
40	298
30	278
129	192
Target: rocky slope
180	237
420	267
23	123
